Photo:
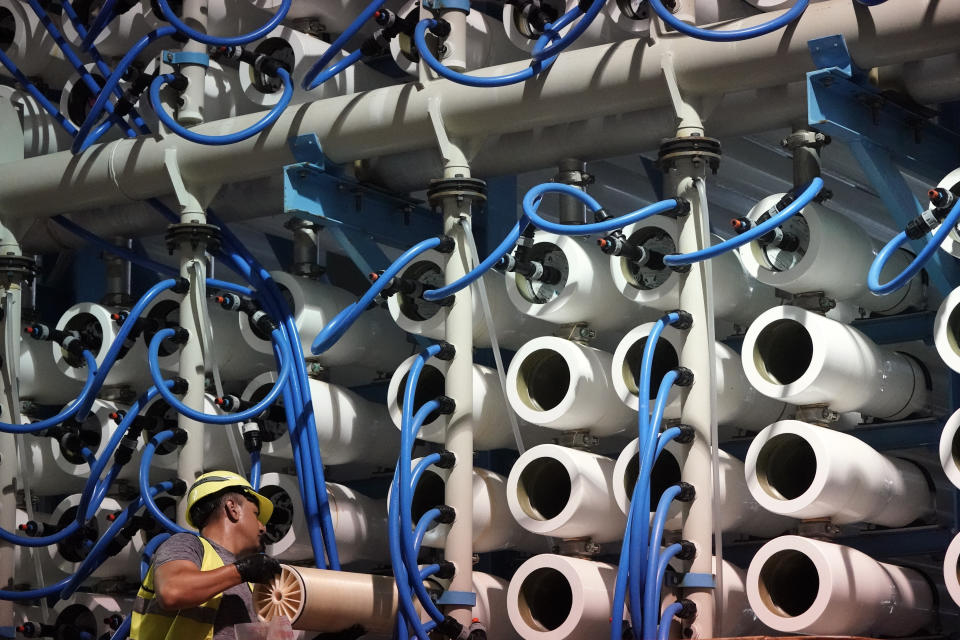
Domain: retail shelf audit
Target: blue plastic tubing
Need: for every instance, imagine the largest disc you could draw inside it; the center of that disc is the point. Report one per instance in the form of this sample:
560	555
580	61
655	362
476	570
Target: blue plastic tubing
36	94
902	278
735	34
318	73
145	460
68	411
651	590
673	609
188	134
217	41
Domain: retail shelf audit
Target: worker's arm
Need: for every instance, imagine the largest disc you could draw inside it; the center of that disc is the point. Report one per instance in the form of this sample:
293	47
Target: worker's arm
180	584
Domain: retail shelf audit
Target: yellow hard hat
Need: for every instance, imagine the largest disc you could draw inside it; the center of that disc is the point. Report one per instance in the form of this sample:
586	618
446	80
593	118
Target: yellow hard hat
215	482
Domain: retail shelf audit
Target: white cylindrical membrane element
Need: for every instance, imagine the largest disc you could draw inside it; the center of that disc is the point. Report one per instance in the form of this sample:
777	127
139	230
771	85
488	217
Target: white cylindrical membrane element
801	585
800	357
325	600
946	330
584	292
235	359
493	526
805	471
951	569
40	379
373	341
491	423
424	318
67	554
349	427
486	44
41	133
565	493
359	522
738	404
950	449
740	513
555	597
951	183
830	253
738	297
92	322
301	51
120	34
217	450
560	384
77	98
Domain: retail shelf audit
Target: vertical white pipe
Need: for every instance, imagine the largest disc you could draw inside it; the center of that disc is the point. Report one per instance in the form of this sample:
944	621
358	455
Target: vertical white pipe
9	325
191	111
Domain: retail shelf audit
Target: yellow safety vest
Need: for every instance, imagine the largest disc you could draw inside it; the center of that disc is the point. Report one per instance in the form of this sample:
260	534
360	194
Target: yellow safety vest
149	621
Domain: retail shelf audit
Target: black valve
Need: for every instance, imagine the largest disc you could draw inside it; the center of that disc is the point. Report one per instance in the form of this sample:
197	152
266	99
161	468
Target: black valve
942	201
687	434
685	320
688	609
180	386
447	460
446	571
450	627
687	492
684	377
447	351
688	550
447	405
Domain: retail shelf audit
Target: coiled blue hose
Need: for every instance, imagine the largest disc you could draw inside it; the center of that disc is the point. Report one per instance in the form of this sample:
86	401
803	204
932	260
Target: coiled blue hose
217	41
67	412
735	34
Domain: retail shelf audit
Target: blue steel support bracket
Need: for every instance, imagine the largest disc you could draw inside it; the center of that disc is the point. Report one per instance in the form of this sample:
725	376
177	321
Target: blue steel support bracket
691	581
884	136
358	216
462	598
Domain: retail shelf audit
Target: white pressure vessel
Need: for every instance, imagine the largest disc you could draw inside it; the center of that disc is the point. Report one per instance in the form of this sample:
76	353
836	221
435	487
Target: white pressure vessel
67	555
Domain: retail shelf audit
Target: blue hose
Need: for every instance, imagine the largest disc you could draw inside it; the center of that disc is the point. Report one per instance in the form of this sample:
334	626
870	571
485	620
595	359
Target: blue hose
67	412
317	74
805	198
147	554
123	631
651	590
407	615
229	138
255	470
218	41
37	95
876	267
586	18
464	281
424	524
663	633
421	467
145	460
99	24
733	35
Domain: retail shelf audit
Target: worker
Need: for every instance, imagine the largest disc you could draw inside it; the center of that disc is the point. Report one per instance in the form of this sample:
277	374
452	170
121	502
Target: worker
198	587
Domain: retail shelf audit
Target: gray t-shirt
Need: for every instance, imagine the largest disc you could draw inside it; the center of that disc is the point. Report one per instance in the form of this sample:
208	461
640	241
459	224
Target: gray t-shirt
237	604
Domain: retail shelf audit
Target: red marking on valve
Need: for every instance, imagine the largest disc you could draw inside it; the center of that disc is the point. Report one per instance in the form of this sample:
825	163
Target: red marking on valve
602	242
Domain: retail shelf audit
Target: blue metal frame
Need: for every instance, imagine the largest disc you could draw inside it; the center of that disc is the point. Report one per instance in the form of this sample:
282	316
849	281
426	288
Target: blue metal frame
883	136
357	215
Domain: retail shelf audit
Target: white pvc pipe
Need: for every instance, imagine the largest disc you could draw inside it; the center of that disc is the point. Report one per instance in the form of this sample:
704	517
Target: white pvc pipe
420	317
559	384
235	359
41	133
491	425
738	619
740	513
951	569
120	34
802	358
359	522
585	293
491	607
301	51
46	477
555	597
565	493
40	379
805	471
349	427
95	319
739	405
99	428
946	330
373	342
834	256
950	449
801	585
216	448
739	297
66	557
493	526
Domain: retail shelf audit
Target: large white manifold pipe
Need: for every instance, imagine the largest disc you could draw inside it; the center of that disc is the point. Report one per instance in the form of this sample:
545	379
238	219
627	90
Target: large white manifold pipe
421	317
565	493
564	385
805	471
740	512
67	555
491	423
832	255
493	526
584	293
739	405
555	597
234	358
738	297
359	522
373	342
349	427
805	359
801	585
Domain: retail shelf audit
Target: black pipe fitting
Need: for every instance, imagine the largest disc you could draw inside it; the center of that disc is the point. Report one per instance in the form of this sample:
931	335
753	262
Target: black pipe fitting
180	336
252	439
441	29
446	302
446	571
684	377
447	460
687	492
181	286
180	386
447	514
263	322
447	243
685	321
447	405
450	627
687	434
179	437
178	489
447	351
688	609
683	208
688	550
601	215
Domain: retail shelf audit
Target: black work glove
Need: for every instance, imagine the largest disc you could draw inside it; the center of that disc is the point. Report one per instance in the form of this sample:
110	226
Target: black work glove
258	568
352	633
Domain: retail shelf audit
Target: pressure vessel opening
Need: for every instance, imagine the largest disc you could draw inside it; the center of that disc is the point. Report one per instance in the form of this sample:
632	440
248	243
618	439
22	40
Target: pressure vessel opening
543	488
789	583
282	518
75	621
430	276
545	289
545	599
430	385
80	99
786	466
653	273
88	329
8	28
783	351
76	546
543	379
161	416
279	49
430	493
665	473
665	358
91	433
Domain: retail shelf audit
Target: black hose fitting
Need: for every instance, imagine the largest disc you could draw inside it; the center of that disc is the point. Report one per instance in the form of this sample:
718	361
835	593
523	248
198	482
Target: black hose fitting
688	550
601	215
252	440
447	460
682	209
685	321
688	609
447	405
179	437
684	377
687	434
687	492
447	351
446	571
263	322
180	386
441	29
179	82
447	514
181	286
447	243
450	627
179	489
228	403
446	302
228	301
180	336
